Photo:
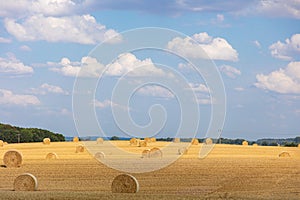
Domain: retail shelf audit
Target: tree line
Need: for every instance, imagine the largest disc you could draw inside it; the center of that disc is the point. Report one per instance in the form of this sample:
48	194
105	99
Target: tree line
13	134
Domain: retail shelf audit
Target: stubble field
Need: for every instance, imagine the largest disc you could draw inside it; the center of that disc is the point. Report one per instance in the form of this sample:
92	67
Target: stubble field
228	172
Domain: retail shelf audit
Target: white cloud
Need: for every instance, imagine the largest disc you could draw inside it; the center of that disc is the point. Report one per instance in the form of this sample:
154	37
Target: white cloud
87	67
90	67
4	40
239	89
202	93
155	91
288	49
275	8
11	65
199	87
216	48
285	81
78	29
220	18
230	71
9	98
25	48
257	44
46	88
128	62
106	104
20	8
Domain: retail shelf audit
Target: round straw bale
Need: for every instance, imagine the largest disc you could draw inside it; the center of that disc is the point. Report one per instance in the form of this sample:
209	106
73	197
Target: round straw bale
46	141
12	158
284	154
255	145
245	143
79	149
155	153
182	151
133	141
99	155
51	156
153	139
176	140
148	140
195	141
145	153
1	143
208	141
142	144
100	140
75	139
125	183
299	145
5	143
25	182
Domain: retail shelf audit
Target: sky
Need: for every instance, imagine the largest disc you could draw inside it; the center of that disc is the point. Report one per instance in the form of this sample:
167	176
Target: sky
49	48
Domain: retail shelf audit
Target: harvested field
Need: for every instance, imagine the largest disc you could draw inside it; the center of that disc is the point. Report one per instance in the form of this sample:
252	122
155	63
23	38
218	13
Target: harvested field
228	172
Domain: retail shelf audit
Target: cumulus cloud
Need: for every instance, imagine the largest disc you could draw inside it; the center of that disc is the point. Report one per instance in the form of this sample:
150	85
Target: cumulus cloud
202	93
11	65
78	29
7	97
230	71
199	87
106	104
46	88
20	8
216	48
128	62
288	49
4	40
239	89
87	67
257	44
25	48
284	81
91	67
155	91
275	8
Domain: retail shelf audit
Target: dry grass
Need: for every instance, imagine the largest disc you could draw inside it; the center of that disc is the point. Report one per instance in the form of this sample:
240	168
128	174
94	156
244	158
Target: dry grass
229	172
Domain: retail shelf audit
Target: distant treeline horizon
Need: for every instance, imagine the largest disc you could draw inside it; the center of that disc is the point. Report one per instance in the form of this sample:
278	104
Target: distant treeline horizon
289	142
14	134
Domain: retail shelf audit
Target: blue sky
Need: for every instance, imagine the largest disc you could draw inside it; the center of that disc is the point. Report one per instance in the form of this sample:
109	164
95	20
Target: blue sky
255	45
